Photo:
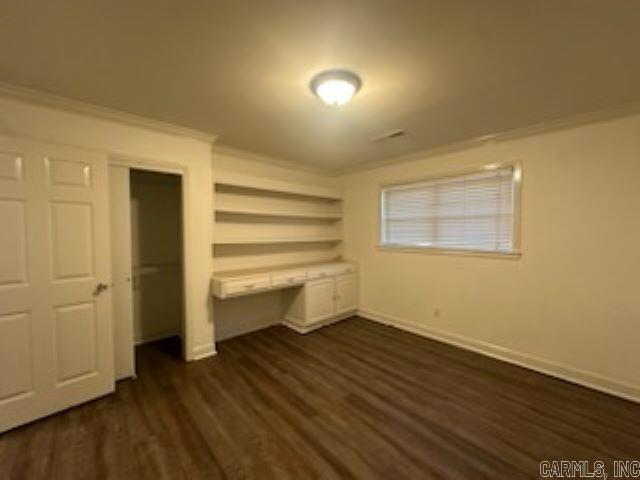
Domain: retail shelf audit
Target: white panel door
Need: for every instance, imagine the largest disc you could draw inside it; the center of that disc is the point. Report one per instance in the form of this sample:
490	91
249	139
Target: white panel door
122	301
56	345
346	293
320	302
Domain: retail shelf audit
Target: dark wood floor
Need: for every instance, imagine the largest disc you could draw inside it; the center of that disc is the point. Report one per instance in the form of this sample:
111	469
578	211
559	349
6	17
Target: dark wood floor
354	400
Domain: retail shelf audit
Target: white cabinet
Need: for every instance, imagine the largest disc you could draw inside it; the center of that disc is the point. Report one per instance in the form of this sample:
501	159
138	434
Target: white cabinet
249	282
313	295
289	278
321	301
246	285
346	293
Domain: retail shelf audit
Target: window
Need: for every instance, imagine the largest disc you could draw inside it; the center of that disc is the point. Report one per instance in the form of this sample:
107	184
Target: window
473	212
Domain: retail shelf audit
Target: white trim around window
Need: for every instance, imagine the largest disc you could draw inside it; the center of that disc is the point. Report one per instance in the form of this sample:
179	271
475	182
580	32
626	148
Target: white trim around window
474	212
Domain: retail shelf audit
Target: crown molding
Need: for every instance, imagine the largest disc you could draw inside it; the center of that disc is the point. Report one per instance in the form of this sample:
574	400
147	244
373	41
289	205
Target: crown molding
602	115
246	155
418	155
38	97
15	92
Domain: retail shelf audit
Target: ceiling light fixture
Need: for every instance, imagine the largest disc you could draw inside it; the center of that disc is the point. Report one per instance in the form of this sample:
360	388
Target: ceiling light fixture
335	87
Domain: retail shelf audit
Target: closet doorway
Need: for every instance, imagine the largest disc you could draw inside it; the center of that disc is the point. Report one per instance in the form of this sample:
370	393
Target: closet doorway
147	263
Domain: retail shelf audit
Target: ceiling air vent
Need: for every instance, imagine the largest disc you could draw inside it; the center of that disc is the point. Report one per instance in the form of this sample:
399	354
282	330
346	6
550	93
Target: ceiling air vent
390	135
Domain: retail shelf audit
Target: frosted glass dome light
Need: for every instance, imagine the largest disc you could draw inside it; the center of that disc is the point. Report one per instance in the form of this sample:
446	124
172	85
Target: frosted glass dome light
335	87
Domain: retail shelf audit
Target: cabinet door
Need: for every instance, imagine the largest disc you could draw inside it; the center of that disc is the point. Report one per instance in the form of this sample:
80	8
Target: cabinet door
319	297
346	293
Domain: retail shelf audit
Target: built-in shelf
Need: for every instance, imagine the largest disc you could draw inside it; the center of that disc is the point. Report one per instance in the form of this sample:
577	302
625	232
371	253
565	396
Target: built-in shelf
270	185
278	214
257	241
261	221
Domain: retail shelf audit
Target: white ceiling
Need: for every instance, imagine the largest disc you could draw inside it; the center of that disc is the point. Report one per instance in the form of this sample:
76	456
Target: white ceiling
444	70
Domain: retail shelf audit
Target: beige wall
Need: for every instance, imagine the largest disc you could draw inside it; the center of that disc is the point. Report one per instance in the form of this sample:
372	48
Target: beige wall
150	148
245	314
570	305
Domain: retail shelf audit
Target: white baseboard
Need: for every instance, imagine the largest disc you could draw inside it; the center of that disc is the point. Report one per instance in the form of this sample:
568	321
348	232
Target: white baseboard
570	374
310	328
203	351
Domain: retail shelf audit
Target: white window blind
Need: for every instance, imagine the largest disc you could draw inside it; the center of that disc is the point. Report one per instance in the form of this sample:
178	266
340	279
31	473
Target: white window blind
465	212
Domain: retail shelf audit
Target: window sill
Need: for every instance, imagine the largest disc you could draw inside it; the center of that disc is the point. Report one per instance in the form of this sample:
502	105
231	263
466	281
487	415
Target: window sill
452	252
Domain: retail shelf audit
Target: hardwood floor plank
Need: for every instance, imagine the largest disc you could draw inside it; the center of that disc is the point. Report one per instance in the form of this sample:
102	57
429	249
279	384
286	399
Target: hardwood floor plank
446	451
342	424
353	400
457	399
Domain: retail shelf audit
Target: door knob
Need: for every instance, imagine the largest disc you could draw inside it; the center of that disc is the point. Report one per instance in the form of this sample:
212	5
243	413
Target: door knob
101	287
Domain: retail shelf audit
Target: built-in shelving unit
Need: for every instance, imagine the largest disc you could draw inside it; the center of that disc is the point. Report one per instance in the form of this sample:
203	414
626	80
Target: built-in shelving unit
271	185
258	241
262	222
275	213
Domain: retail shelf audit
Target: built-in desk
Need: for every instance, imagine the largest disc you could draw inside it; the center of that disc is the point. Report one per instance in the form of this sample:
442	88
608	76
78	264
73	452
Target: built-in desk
314	294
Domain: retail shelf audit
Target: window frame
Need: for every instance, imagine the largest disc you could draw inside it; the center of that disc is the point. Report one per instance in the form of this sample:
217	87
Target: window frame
515	253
